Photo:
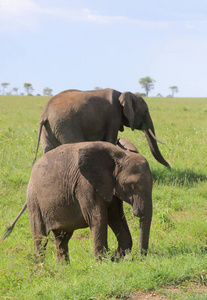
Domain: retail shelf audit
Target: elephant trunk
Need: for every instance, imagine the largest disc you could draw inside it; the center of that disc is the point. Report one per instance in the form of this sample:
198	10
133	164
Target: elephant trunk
143	210
144	232
152	142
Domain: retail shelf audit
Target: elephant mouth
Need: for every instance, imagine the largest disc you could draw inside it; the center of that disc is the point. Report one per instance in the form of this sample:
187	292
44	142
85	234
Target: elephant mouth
136	210
143	126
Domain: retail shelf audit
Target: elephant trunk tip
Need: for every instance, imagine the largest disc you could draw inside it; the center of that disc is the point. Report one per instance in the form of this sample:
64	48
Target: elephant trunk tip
154	148
165	163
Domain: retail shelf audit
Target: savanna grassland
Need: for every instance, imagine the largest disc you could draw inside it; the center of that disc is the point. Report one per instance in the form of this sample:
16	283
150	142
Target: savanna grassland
178	242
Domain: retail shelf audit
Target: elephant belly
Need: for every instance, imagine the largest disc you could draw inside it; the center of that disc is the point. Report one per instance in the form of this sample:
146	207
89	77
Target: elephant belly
88	126
64	219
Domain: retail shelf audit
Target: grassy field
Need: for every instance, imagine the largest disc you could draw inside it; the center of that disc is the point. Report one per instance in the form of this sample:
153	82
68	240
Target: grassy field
178	241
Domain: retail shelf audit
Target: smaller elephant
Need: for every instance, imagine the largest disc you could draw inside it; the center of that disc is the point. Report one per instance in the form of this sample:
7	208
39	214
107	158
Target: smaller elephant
83	185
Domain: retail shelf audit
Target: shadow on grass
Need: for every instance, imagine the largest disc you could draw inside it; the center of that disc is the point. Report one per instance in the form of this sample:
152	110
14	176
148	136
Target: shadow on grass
178	177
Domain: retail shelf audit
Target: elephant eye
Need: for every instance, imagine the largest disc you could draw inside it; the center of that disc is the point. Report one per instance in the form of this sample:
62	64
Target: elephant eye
130	187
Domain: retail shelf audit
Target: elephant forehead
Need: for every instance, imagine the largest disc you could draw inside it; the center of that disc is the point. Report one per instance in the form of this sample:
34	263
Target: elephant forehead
135	161
141	101
137	168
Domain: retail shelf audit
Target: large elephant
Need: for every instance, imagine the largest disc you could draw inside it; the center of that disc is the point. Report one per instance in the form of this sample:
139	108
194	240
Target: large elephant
77	116
83	185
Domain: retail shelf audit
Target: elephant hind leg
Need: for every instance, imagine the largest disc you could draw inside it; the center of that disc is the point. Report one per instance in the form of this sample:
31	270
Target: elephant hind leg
40	243
61	241
39	232
48	140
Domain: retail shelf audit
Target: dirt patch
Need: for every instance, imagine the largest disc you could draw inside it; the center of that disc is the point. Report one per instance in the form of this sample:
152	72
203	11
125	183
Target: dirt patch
147	296
171	292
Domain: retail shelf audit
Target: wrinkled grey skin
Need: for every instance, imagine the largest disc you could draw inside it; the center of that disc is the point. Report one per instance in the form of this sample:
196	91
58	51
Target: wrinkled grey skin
83	185
76	116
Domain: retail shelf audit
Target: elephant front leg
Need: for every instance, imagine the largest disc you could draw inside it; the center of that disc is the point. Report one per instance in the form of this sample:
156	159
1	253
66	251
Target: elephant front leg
61	242
118	224
99	233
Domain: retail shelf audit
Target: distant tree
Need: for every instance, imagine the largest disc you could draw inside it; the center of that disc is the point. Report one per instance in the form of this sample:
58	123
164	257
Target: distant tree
5	85
47	91
15	89
174	90
28	87
141	94
147	83
97	88
159	95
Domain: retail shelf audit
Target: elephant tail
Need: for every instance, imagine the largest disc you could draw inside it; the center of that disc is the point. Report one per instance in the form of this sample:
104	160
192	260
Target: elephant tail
9	229
42	123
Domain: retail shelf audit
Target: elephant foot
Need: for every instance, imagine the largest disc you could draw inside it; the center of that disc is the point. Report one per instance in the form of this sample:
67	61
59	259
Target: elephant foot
120	254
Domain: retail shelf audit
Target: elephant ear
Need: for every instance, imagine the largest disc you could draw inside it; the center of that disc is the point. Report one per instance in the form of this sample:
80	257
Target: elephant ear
127	101
97	165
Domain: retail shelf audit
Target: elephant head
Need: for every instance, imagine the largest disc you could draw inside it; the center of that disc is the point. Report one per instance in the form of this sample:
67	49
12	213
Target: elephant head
136	116
126	175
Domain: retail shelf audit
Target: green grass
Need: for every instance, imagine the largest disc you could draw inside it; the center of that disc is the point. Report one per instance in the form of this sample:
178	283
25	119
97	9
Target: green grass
178	241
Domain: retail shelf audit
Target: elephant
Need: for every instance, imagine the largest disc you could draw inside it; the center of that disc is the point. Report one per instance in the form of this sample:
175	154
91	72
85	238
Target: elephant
83	185
74	116
126	145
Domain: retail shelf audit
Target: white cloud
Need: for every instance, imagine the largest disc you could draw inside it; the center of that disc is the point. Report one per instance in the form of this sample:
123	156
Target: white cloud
26	14
17	7
96	18
15	14
83	15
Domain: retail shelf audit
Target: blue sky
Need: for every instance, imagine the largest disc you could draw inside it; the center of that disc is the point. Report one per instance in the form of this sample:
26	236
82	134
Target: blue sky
83	44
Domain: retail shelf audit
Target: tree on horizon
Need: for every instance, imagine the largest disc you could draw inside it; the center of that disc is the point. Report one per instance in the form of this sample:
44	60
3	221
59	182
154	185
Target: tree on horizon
47	91
15	89
5	85
147	83
28	87
174	90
